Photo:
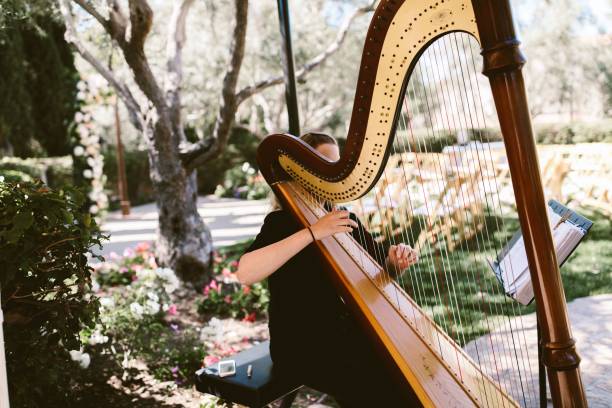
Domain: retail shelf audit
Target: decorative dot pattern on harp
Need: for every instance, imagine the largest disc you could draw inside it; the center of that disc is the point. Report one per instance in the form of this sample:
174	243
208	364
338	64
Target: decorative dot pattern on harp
442	159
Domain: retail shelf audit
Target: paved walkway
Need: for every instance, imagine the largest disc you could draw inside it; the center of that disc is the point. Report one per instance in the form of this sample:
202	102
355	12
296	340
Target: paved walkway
230	220
591	319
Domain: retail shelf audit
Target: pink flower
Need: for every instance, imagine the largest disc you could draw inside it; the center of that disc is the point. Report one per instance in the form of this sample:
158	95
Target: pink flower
234	264
217	259
210	360
123	269
136	267
246	289
226	272
206	290
251	317
213	284
228	299
113	255
128	252
172	310
134	278
152	262
142	247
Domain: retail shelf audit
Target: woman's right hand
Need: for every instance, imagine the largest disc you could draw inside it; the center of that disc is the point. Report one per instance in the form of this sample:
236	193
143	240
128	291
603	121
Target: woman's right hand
333	223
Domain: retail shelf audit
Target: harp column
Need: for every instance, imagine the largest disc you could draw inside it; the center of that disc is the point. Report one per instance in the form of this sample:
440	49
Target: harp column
502	65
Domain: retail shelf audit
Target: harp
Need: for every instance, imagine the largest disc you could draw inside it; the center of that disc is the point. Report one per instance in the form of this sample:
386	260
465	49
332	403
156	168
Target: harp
417	89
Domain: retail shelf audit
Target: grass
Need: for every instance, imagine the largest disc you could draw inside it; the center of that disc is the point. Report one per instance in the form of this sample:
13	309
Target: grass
465	298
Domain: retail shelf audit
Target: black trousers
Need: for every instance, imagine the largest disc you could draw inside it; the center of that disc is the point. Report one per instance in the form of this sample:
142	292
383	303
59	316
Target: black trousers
336	358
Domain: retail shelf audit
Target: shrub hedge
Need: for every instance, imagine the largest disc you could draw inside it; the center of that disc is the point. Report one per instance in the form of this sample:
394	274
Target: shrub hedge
45	236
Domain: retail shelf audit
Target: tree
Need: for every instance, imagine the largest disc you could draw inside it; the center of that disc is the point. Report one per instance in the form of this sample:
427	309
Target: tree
38	82
183	240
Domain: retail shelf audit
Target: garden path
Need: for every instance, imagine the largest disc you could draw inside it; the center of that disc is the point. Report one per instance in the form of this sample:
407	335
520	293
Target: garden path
591	319
230	220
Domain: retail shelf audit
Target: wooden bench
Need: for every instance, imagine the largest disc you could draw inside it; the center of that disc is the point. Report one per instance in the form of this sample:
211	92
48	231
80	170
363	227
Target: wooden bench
262	388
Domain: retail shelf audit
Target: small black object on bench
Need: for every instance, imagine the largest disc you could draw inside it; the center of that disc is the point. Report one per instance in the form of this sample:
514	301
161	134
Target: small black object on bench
262	388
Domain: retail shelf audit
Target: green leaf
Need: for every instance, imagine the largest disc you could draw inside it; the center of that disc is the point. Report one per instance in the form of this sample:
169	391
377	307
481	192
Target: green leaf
23	220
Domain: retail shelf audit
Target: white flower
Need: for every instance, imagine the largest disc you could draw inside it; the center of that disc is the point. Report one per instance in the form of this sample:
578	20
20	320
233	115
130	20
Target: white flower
107	302
152	306
144	274
78	150
82	358
85	360
78	117
97	338
245	166
137	310
171	282
87	173
93	209
1	179
95	286
153	296
75	355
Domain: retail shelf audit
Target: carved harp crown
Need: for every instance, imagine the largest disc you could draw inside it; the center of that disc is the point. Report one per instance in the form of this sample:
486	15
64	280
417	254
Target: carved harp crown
399	35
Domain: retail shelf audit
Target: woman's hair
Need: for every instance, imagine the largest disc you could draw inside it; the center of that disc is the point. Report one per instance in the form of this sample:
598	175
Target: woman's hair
315	139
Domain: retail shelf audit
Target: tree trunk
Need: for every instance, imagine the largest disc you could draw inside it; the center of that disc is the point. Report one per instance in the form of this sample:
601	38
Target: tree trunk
184	242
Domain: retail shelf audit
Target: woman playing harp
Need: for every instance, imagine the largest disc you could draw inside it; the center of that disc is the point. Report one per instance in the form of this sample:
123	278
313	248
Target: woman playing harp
313	337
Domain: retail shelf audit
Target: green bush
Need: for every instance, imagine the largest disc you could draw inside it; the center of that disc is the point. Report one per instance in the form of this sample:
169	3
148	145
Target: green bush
56	172
600	132
45	281
14	176
243	182
241	148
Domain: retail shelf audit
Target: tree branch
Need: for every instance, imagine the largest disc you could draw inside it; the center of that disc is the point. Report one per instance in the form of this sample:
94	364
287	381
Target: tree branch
174	62
301	73
141	19
122	90
90	8
118	22
195	154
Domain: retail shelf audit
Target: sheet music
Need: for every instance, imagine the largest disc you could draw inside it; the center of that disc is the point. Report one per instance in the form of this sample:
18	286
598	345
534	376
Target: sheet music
513	268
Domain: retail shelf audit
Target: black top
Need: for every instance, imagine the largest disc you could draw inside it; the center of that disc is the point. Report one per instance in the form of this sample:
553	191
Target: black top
313	338
303	301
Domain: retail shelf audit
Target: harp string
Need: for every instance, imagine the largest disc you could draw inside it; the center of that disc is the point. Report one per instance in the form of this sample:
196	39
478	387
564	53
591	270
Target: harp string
482	235
405	122
514	387
518	346
416	291
475	89
440	251
456	156
445	118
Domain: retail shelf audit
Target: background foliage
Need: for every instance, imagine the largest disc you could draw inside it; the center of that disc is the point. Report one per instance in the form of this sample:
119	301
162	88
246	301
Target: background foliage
38	81
44	238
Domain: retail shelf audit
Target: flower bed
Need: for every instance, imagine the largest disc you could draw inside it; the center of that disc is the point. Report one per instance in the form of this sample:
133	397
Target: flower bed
225	297
147	315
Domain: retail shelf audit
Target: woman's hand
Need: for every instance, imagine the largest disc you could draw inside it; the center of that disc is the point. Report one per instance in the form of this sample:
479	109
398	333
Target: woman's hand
333	223
401	256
